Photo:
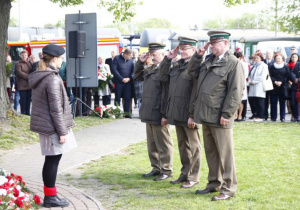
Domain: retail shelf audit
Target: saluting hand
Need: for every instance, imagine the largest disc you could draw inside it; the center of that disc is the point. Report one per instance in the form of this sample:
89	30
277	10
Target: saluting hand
201	51
144	57
173	53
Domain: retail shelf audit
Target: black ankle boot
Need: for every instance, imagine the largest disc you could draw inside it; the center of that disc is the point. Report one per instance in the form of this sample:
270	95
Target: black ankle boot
55	201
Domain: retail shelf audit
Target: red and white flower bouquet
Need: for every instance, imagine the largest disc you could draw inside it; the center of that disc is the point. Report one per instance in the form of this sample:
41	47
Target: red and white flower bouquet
14	194
108	111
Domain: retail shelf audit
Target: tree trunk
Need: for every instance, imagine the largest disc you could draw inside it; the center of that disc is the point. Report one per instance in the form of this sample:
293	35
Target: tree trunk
4	19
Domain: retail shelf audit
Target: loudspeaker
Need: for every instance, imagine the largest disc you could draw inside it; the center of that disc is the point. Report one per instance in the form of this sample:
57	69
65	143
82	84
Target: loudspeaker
77	44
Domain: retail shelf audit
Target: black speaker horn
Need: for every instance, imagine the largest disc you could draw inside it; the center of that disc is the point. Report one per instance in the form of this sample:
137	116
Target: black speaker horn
77	44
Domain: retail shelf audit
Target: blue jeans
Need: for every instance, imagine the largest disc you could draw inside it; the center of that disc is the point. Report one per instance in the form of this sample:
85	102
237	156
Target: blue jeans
295	106
16	100
274	102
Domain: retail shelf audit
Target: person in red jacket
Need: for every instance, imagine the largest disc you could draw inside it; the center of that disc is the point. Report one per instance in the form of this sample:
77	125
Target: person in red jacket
51	118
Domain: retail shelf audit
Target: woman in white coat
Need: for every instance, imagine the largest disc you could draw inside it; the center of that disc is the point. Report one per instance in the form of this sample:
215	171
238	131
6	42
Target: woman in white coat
104	70
257	94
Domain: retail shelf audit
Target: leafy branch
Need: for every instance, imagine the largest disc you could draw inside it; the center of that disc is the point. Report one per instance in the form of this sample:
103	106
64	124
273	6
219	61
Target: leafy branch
122	10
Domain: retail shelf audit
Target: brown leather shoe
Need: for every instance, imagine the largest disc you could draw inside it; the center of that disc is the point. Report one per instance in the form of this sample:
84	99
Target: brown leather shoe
189	184
161	177
178	181
152	173
220	197
205	191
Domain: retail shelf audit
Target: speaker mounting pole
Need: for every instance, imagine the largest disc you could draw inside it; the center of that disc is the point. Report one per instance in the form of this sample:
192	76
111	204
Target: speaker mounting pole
79	77
81	42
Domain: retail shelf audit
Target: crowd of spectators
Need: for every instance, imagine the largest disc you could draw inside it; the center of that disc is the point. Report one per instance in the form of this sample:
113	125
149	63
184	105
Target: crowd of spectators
284	73
284	76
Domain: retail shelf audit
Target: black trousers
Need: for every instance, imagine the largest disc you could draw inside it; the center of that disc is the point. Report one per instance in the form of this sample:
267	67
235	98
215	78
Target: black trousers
257	105
267	103
106	100
25	100
245	108
50	170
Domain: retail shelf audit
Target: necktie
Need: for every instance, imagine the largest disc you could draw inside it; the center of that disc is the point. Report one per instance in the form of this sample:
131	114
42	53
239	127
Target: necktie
215	60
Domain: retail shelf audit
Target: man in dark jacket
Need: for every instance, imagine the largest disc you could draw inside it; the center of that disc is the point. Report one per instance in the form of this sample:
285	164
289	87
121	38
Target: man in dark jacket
122	69
159	142
219	92
177	111
110	60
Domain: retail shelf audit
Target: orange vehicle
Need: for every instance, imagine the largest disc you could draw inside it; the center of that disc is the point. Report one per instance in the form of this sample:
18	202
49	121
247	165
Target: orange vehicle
104	47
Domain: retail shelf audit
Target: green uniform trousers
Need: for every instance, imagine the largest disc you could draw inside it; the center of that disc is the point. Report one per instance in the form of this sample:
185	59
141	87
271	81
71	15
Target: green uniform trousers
218	145
189	145
160	148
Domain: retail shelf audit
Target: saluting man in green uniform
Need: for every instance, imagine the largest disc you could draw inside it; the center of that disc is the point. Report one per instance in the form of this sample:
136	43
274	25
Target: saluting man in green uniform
218	96
177	110
159	142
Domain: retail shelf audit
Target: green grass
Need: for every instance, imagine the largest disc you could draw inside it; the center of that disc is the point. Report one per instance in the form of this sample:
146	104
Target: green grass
15	131
267	163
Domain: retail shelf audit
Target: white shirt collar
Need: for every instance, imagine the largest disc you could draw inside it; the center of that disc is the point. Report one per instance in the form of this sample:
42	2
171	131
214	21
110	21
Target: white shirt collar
221	56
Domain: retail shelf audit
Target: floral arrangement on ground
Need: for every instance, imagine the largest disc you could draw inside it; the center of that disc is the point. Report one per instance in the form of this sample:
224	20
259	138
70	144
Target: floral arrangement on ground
108	111
14	194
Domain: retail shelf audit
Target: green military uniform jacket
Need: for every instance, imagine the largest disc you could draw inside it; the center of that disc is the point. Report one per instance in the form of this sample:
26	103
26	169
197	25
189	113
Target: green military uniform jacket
153	91
180	86
219	89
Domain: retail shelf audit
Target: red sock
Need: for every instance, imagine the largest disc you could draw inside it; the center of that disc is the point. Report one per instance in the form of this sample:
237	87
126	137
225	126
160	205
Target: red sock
49	191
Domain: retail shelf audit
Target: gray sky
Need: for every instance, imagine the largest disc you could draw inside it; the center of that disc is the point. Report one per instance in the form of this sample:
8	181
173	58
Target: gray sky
184	13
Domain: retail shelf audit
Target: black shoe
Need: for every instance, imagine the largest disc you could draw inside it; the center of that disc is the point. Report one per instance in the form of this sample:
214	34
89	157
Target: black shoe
273	120
152	173
282	120
243	119
55	201
205	191
127	116
162	177
178	181
251	118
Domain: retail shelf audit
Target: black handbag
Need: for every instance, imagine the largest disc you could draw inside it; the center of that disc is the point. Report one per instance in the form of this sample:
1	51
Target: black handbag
287	91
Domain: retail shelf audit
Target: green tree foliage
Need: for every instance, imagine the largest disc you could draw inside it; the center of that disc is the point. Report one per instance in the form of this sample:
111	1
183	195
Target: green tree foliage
64	3
247	20
49	25
138	27
230	3
13	22
123	27
60	23
153	23
284	12
122	10
288	16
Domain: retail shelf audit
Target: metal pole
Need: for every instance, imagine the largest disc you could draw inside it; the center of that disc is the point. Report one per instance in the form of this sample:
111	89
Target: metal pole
80	88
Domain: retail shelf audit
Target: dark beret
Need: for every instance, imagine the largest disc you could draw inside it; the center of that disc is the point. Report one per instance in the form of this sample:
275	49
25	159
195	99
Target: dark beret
54	50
